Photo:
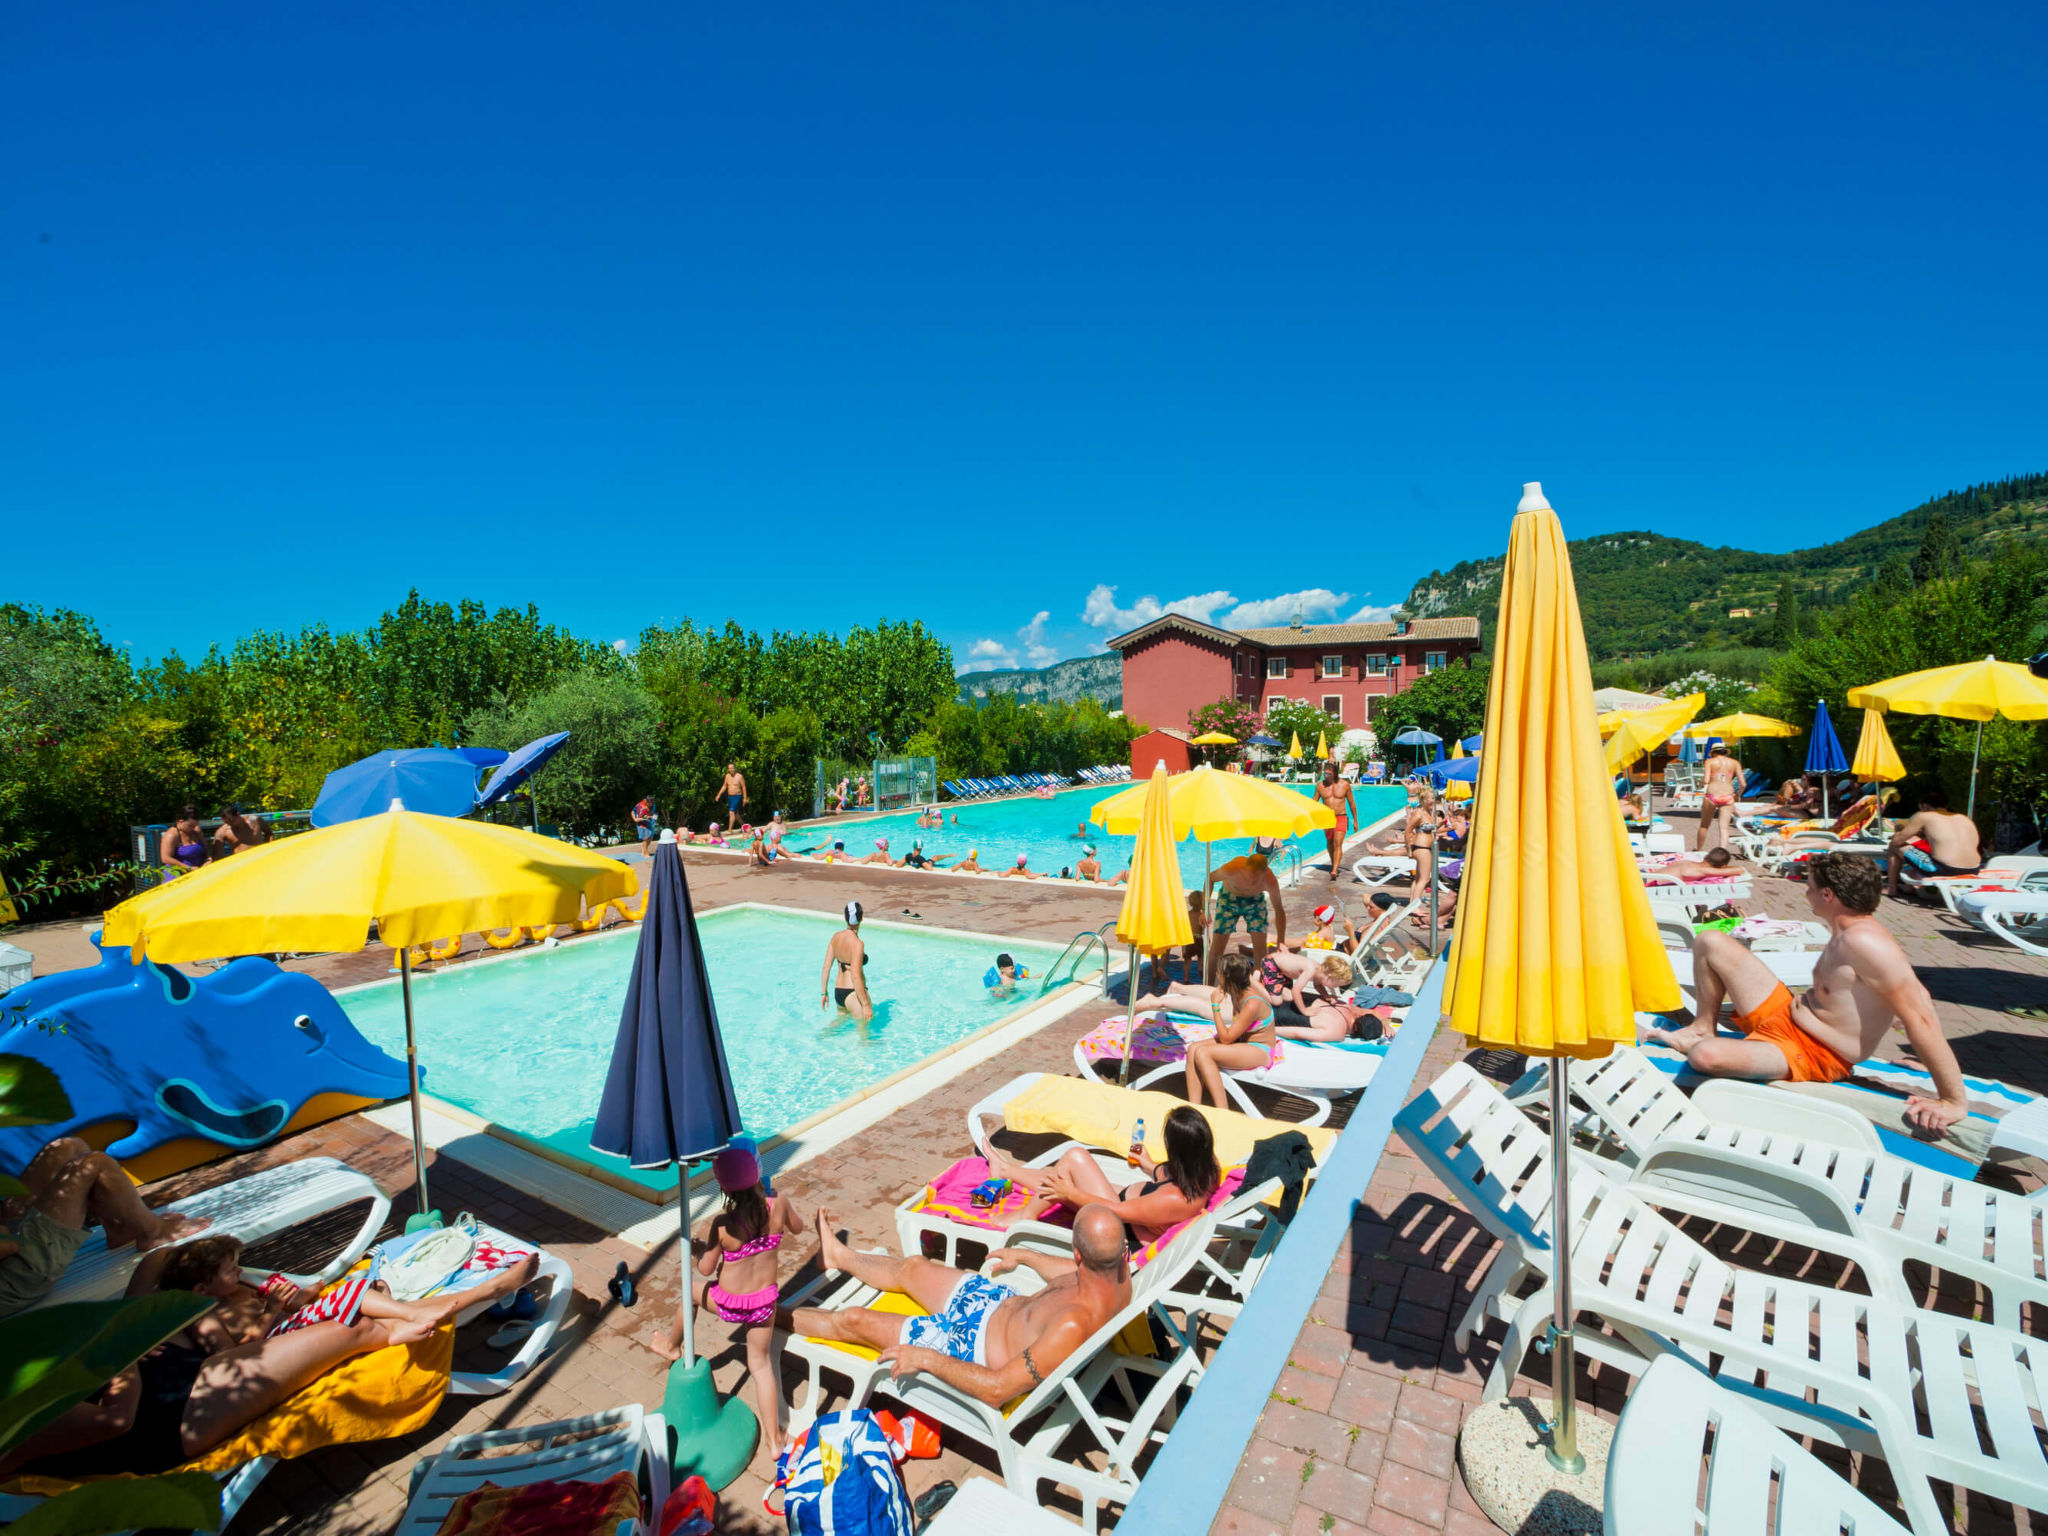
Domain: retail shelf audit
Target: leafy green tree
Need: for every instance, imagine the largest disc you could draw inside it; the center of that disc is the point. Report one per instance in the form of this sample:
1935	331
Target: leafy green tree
1286	718
613	755
1233	717
1450	702
785	750
1784	628
1941	552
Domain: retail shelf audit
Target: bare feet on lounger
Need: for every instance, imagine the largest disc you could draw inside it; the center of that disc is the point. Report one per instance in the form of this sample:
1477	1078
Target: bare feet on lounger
832	1253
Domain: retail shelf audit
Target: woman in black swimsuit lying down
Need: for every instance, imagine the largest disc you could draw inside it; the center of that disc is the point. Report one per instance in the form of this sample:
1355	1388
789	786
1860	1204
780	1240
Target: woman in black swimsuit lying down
210	1381
1170	1193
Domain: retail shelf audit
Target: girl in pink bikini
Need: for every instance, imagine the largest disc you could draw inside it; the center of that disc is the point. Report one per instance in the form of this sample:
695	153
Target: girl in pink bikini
736	1276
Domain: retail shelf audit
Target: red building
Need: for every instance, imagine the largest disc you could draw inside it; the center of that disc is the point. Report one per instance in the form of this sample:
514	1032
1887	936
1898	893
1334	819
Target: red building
1175	665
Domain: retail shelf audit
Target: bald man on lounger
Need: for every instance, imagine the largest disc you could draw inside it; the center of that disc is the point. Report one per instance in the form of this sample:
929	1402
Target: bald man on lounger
981	1337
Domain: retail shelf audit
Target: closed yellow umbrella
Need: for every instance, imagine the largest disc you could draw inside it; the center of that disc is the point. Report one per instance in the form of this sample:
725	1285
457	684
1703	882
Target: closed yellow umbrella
1644	730
416	877
1738	727
1322	745
1457	749
1975	690
1294	745
1877	760
1556	949
1154	916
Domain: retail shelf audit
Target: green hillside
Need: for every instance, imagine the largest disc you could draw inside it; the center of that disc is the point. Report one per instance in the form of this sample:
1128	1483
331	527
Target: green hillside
1642	593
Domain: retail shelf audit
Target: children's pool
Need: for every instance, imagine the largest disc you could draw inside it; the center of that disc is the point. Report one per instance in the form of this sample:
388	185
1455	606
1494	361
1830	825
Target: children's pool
525	1042
1051	833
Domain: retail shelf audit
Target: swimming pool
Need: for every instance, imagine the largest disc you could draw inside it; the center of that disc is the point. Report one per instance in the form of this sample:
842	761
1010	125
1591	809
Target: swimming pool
525	1042
1049	831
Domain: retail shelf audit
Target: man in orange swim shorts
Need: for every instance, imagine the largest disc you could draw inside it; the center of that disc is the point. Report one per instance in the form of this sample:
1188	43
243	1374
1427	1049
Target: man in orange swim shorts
1862	985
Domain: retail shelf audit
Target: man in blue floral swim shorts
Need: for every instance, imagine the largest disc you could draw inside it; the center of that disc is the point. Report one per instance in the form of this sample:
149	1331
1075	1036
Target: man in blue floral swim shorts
977	1334
1244	886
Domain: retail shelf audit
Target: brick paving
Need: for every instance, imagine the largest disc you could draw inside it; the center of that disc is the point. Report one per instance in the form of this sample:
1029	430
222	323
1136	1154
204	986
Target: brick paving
1360	1434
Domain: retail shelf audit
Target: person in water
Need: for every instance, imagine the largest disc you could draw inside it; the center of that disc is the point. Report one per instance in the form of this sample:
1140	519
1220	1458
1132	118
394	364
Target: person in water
1005	974
1090	867
1019	870
183	846
735	1276
846	951
979	1336
971	865
1170	1193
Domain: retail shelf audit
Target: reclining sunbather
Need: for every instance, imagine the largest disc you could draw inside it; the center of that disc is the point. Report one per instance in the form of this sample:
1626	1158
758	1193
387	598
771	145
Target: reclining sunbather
69	1189
1170	1193
1711	865
1311	1004
981	1337
202	1386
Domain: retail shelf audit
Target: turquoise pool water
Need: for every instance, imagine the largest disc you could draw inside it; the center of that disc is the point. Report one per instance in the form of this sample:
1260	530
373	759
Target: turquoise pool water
526	1041
1050	831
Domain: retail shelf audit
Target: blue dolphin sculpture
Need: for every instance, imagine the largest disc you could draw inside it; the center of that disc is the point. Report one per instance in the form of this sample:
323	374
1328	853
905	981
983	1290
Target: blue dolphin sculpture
233	1059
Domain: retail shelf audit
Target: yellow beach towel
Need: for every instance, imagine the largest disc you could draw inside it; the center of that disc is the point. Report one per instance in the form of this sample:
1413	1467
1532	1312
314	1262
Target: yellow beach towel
378	1396
1103	1115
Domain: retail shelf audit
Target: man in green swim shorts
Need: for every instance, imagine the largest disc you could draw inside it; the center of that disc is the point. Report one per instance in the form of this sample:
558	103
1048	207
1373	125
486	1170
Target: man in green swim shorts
1244	887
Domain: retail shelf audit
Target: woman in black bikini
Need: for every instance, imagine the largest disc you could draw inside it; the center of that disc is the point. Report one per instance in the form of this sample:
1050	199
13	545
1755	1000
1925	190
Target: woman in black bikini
1170	1193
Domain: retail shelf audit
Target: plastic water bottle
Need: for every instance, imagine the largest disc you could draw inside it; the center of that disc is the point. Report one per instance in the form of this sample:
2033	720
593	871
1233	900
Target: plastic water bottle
1137	1140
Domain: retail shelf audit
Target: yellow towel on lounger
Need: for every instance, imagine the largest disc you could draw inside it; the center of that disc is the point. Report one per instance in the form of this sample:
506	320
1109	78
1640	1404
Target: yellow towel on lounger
1103	1115
378	1396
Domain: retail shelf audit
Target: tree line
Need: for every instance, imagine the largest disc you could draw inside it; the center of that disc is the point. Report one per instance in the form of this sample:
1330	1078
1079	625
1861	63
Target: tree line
92	743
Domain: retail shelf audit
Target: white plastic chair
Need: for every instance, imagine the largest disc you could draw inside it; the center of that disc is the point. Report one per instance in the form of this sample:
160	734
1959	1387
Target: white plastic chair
1757	1481
983	1508
2018	917
585	1450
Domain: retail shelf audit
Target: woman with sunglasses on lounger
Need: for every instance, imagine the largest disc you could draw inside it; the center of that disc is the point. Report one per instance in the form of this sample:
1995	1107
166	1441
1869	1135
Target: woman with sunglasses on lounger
1171	1192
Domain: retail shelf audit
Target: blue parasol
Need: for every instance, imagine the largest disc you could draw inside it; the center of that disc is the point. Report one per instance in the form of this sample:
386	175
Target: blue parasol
1416	736
429	779
1453	770
1263	740
668	1098
1474	743
1824	751
518	768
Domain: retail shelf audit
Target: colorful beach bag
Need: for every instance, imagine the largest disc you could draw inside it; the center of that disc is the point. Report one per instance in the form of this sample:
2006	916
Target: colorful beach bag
844	1481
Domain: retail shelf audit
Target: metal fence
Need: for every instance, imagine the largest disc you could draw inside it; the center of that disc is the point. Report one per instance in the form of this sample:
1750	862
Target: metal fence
841	785
146	843
901	782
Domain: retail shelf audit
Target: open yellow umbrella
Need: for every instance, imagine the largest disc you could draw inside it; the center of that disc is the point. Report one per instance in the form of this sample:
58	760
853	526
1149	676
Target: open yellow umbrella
1738	727
1211	805
1877	760
1555	949
1322	745
1154	916
1976	690
1644	730
1215	739
1294	745
416	877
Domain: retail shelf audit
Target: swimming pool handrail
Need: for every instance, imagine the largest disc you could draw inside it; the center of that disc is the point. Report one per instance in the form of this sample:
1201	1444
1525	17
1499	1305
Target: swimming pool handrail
1185	1485
1093	936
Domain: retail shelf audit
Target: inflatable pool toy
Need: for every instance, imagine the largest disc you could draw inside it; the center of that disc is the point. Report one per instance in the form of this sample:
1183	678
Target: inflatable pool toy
543	932
632	909
438	949
166	1071
505	938
590	921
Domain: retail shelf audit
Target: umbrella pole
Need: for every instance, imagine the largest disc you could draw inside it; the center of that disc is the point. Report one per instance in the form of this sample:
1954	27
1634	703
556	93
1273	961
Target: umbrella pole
1564	1428
412	1079
1208	946
689	1301
1130	1014
1975	753
1433	862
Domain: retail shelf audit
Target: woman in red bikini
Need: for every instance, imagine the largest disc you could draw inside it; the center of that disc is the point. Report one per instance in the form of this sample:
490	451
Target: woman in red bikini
736	1277
1717	795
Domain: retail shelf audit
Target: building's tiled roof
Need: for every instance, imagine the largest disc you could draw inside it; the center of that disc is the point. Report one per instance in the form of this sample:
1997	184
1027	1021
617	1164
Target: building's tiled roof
1310	634
1352	634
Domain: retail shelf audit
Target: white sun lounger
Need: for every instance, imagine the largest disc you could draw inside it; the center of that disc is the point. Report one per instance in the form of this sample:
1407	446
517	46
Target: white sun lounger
1811	1171
263	1204
1870	1363
1381	868
1313	1073
983	1508
585	1450
2018	917
1757	1481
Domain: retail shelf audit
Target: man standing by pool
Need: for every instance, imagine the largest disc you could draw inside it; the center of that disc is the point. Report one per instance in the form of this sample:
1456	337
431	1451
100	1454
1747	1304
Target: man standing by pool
735	791
1243	888
1335	792
846	950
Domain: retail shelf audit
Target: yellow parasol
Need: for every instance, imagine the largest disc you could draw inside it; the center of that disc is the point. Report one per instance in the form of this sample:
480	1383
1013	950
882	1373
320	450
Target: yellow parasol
1876	758
1457	749
1294	745
1154	916
1555	949
1737	727
1322	745
416	877
1644	730
1976	690
1215	739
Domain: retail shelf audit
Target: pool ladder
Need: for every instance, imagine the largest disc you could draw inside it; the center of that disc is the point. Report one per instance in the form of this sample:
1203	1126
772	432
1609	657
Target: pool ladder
1078	947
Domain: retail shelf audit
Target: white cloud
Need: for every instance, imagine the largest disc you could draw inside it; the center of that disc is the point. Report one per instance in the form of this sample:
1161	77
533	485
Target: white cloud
987	655
1033	635
1373	613
1101	609
1314	604
623	647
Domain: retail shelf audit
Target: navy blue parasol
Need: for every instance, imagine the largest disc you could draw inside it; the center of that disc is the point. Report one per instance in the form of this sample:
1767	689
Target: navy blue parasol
668	1097
1824	751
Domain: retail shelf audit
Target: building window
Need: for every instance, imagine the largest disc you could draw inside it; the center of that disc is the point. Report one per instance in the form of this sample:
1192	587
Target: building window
1432	661
1276	666
1376	666
1333	666
1273	699
1333	705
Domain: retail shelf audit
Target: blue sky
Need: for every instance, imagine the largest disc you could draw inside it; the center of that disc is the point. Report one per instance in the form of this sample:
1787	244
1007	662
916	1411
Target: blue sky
1020	320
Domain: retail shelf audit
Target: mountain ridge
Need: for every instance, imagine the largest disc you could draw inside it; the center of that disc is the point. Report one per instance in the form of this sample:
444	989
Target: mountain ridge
1078	677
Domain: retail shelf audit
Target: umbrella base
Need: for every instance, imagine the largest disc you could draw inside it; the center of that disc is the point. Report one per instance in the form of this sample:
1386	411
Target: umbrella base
422	1220
714	1438
1503	1451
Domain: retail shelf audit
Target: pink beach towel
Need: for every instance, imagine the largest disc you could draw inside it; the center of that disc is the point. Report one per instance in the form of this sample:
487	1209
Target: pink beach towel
1157	1038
